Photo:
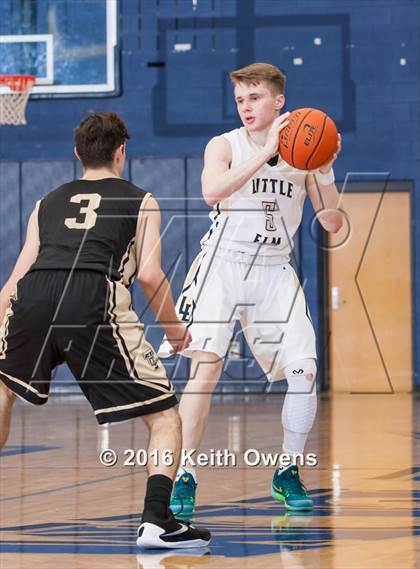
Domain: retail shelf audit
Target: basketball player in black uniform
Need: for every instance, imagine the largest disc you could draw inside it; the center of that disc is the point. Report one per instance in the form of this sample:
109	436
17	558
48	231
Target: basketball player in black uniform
68	300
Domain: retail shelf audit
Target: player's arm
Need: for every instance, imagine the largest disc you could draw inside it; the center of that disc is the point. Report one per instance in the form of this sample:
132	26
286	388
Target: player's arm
152	278
325	197
26	259
218	180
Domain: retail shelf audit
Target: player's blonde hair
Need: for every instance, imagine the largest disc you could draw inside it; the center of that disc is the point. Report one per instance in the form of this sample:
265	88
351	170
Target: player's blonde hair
258	72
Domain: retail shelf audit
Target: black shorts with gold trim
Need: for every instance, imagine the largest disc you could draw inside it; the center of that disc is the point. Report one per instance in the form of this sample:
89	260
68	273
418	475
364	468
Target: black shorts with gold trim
86	320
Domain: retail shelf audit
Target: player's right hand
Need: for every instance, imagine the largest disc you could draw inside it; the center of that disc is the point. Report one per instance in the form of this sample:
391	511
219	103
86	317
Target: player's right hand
178	336
271	146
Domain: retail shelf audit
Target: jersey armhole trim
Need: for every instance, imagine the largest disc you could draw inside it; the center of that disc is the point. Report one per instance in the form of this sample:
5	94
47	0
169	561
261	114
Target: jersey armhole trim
145	199
36	211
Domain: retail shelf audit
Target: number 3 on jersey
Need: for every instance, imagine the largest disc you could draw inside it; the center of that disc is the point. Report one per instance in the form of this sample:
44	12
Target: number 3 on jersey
89	210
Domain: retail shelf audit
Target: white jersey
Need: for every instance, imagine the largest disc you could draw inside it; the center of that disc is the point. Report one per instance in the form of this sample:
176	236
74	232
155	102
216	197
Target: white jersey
261	217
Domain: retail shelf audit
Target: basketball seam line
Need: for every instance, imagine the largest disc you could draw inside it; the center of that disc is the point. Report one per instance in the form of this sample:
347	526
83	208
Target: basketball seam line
297	132
318	143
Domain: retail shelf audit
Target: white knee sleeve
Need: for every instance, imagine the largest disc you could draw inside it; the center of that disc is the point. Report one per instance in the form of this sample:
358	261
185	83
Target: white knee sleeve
300	405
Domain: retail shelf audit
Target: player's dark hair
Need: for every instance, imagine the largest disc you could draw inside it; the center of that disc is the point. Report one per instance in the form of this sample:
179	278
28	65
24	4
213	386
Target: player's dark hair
258	72
97	137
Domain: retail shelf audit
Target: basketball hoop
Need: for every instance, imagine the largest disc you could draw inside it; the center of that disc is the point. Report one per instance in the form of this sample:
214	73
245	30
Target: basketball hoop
14	94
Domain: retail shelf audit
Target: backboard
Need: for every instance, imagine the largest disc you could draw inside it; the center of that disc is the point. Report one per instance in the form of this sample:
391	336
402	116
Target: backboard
69	45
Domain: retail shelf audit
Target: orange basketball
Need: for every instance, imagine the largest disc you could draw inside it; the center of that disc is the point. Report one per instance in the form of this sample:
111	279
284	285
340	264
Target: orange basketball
309	140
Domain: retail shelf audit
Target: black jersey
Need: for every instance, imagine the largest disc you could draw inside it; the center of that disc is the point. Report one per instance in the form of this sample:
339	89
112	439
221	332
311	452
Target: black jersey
90	224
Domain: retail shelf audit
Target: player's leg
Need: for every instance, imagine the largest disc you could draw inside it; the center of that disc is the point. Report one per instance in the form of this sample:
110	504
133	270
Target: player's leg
7	398
298	414
165	445
300	405
165	434
282	339
209	302
158	527
194	409
27	354
121	376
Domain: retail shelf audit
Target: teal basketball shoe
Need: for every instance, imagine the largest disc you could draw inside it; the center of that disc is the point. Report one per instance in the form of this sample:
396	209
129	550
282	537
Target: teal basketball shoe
183	496
287	487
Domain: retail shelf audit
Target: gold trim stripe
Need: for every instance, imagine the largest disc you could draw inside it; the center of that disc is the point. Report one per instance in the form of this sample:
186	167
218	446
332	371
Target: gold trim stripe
16	380
4	328
128	264
129	335
133	405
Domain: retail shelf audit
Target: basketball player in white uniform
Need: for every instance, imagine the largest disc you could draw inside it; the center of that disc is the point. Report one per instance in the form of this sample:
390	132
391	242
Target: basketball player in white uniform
243	273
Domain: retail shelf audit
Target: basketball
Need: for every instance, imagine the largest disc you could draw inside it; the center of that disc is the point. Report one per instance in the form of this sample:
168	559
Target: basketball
309	140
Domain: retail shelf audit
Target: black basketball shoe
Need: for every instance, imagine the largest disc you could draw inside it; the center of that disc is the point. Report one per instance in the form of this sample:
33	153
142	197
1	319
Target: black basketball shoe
170	533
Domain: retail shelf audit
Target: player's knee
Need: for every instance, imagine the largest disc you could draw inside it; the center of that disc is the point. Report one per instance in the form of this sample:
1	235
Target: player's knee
164	420
205	370
170	419
301	376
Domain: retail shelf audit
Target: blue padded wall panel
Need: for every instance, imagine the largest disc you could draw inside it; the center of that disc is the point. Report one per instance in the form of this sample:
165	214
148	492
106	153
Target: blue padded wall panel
308	267
39	179
165	179
198	211
206	107
10	236
78	170
283	42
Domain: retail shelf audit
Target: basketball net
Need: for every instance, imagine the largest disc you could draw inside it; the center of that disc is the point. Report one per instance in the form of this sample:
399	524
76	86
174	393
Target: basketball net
14	95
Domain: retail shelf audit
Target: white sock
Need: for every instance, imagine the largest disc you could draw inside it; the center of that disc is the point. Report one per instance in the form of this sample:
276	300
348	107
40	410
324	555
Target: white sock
299	408
186	470
293	442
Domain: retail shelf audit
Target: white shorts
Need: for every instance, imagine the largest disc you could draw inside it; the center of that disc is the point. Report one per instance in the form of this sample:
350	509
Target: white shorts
265	296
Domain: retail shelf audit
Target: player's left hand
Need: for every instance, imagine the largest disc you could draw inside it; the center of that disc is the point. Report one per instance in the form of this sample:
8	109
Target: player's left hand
178	336
325	168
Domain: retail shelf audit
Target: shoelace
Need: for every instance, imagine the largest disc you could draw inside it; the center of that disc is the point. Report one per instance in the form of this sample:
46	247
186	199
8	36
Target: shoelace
184	489
293	485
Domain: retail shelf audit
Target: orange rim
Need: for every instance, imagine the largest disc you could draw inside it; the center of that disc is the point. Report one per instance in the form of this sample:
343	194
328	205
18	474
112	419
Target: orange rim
18	83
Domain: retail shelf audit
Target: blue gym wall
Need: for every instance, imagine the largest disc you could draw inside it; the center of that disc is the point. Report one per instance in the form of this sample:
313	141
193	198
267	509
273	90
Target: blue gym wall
172	110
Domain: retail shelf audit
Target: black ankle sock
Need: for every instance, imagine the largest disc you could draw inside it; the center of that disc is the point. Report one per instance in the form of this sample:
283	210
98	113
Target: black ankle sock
158	494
